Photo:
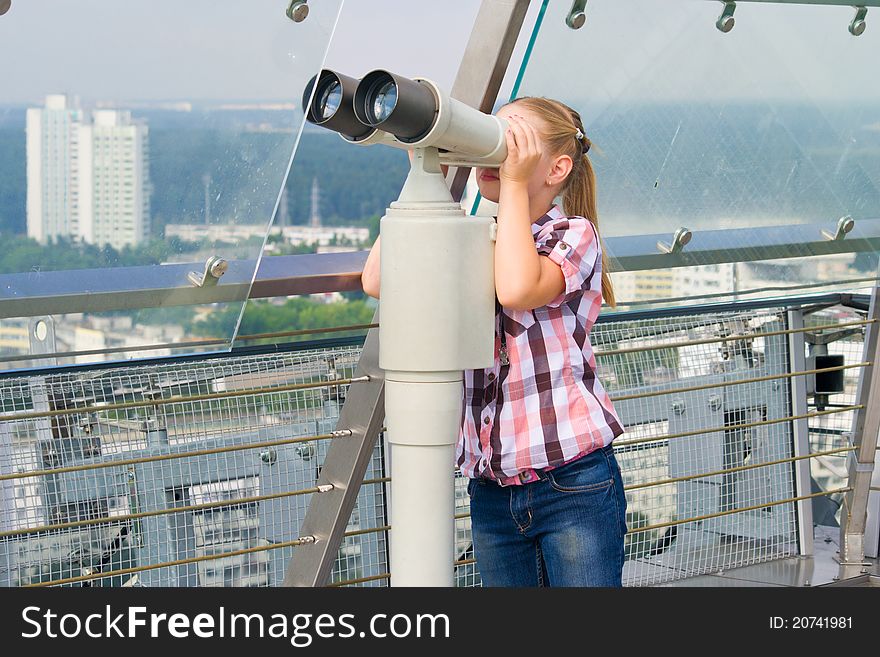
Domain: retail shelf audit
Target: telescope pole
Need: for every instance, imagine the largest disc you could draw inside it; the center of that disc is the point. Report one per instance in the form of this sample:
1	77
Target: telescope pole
437	318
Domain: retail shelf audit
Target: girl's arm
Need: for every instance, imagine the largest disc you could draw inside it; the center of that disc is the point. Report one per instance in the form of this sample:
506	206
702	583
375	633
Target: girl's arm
370	275
523	278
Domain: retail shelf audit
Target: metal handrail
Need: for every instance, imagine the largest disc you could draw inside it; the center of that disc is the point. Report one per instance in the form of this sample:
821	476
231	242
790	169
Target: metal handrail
166	564
132	288
178	399
110	520
116	463
207	342
727	338
363	327
737	427
736	382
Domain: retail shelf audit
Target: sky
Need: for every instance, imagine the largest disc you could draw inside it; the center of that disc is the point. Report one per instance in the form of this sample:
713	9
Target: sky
211	50
217	49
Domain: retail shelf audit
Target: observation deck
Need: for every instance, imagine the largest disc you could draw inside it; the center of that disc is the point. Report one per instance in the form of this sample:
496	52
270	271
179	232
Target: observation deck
161	422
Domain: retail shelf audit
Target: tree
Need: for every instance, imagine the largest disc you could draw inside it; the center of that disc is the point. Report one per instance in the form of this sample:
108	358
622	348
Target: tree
295	313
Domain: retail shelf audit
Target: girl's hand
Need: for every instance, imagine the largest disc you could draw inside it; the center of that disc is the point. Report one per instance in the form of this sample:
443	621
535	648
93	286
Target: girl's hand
524	151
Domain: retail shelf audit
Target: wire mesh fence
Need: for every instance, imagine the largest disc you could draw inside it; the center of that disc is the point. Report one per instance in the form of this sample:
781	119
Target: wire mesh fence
200	473
713	392
184	474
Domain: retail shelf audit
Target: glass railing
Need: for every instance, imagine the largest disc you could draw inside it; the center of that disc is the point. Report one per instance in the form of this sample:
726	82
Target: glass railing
699	129
139	135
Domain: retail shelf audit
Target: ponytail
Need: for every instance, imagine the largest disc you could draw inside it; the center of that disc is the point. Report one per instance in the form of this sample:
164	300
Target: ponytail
564	134
579	198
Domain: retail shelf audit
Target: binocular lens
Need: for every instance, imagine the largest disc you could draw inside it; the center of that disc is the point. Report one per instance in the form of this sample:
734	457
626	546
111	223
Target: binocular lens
331	99
385	100
331	105
397	105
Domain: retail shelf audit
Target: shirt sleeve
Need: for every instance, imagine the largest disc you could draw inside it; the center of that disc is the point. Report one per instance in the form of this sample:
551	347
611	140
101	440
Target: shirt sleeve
572	244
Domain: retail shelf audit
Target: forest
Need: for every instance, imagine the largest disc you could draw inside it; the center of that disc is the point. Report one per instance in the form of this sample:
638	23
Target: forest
356	183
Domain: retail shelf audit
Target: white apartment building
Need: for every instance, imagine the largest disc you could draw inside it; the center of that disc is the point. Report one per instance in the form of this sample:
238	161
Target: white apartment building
87	177
53	169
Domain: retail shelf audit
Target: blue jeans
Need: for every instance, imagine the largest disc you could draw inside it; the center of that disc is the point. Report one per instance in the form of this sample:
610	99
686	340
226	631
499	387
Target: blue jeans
564	529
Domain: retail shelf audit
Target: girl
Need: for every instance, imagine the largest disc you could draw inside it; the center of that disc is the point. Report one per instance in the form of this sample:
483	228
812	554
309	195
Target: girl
547	500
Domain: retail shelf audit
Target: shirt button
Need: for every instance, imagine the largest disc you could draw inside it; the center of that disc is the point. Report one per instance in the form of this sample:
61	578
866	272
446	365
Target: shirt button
491	376
485	420
563	245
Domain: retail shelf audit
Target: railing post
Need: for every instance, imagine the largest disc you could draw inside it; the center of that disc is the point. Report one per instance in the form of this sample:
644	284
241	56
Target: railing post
800	431
866	426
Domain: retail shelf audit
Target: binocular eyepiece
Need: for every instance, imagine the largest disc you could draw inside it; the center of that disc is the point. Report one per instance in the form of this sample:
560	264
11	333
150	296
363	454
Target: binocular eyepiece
383	107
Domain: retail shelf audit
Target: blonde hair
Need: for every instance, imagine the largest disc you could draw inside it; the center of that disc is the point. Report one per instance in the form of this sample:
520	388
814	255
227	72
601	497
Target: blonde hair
563	133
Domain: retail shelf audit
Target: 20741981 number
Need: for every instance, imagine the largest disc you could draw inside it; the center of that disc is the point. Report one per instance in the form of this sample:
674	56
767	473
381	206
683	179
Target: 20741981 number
811	622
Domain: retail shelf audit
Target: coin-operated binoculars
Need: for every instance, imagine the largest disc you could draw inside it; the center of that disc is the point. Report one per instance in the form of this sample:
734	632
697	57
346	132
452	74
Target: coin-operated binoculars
437	302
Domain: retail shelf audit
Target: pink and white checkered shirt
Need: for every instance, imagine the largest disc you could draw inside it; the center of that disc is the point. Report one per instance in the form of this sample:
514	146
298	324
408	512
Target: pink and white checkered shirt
547	407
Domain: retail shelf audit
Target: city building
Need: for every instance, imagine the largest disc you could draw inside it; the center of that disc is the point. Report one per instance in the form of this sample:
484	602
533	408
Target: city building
294	235
53	169
87	175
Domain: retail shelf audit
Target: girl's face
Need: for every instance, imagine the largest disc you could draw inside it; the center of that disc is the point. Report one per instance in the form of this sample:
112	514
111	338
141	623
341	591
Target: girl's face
487	179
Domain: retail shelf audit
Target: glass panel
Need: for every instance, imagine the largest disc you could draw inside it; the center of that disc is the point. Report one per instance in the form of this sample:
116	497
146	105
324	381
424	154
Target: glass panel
772	124
134	134
336	191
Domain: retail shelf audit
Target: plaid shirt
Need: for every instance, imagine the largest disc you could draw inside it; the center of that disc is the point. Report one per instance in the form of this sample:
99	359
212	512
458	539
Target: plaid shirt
547	407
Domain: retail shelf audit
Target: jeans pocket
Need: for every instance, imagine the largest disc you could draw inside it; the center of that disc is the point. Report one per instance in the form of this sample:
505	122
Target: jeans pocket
470	486
589	473
622	505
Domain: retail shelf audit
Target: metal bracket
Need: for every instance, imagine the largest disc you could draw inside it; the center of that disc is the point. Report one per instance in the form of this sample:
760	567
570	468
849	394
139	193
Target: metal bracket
726	21
41	335
297	11
844	225
215	267
680	239
854	465
577	16
857	26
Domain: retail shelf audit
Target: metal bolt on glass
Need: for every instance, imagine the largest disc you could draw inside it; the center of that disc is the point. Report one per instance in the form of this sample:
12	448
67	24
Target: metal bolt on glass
4	6
298	11
844	226
680	239
577	17
857	26
215	267
726	21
